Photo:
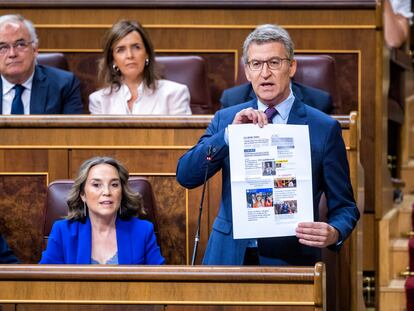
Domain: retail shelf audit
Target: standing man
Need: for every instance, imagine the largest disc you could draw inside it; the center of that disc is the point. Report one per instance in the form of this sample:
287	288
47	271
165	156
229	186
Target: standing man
269	66
27	88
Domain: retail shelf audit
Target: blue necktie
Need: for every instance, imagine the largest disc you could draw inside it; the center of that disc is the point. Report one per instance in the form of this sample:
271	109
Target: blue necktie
270	113
17	104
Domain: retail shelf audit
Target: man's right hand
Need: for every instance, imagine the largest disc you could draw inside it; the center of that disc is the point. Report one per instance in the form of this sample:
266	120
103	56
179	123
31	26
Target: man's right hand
250	115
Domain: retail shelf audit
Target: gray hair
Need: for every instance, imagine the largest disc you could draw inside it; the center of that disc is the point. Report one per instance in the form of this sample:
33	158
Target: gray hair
268	33
17	18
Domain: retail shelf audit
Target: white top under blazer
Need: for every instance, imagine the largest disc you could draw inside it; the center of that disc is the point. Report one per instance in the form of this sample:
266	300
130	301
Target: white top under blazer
170	98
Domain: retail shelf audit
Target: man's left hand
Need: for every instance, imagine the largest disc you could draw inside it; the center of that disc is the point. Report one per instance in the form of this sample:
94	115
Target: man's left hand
316	234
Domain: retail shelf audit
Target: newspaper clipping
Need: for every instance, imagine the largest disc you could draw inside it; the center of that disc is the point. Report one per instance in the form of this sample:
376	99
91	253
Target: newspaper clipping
271	179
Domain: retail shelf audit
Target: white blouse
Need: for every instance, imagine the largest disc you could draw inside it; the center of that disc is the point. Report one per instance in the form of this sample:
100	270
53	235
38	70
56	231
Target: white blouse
170	98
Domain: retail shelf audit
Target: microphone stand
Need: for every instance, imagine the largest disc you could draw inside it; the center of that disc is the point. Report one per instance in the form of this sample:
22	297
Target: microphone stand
197	235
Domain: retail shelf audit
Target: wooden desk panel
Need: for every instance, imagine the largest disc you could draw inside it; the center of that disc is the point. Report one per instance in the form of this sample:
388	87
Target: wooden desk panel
295	287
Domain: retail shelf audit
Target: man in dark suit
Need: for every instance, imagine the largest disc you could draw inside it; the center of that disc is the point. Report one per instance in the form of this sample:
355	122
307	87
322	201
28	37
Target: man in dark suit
268	55
28	88
6	254
313	97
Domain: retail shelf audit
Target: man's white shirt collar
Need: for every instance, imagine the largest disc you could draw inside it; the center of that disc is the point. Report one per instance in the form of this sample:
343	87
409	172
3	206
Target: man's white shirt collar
8	94
282	108
7	86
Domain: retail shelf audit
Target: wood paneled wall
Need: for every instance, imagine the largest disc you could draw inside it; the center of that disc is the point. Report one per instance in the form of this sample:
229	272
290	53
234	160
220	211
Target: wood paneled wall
408	141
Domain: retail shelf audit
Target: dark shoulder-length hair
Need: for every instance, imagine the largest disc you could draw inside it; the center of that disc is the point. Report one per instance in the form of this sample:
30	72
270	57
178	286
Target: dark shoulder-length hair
131	202
108	76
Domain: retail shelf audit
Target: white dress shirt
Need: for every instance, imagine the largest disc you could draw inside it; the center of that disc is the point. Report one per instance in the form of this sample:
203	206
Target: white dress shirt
283	109
9	91
170	98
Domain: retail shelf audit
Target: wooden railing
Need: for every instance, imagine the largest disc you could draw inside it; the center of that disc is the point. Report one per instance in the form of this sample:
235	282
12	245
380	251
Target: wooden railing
298	288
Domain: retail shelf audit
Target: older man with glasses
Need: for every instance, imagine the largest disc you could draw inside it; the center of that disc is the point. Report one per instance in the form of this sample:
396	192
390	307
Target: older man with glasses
269	66
28	88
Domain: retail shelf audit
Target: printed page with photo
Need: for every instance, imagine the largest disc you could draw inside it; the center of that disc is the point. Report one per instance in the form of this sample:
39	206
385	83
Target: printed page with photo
271	179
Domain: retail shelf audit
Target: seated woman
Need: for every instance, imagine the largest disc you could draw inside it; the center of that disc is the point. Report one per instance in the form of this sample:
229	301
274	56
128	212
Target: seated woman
102	226
6	254
131	82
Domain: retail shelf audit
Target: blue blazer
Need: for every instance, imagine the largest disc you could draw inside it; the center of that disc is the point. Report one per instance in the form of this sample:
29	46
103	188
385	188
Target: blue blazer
70	243
330	174
6	254
311	96
54	91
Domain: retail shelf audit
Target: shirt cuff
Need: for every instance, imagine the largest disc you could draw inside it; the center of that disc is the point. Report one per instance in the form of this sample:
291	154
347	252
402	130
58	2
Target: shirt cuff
226	135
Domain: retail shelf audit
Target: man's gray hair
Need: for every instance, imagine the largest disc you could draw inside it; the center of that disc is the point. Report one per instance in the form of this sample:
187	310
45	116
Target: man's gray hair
16	18
268	33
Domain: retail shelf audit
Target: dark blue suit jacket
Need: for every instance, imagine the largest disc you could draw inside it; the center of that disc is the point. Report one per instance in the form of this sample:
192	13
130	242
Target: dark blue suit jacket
70	242
54	91
6	254
311	96
330	174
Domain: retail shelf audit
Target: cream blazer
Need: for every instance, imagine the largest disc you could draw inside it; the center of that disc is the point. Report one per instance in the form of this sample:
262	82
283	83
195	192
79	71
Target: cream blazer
170	98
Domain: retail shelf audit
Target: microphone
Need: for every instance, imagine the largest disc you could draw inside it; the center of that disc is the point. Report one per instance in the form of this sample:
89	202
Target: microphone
197	235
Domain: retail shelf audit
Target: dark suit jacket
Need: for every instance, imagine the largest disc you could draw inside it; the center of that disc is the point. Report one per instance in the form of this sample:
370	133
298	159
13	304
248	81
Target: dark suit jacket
330	174
54	91
70	243
6	254
311	96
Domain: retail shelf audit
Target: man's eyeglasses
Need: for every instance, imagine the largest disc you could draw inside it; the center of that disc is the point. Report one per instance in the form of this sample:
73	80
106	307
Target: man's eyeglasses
274	63
19	46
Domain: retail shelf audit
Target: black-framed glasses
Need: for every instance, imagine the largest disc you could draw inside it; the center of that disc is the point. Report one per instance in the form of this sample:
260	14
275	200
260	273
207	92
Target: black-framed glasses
19	46
273	63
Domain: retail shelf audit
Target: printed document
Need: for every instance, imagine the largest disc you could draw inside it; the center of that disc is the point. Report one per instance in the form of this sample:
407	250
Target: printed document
271	179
